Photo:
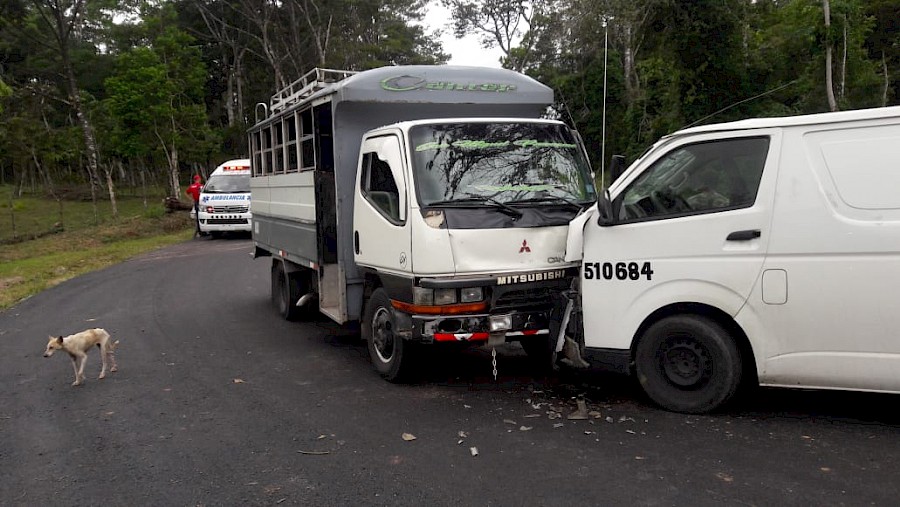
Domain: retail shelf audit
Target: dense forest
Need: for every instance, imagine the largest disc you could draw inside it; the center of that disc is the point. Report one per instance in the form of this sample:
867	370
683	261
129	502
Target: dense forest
108	94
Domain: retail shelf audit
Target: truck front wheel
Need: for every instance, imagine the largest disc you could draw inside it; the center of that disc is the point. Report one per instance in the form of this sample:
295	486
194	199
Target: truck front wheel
688	363
391	356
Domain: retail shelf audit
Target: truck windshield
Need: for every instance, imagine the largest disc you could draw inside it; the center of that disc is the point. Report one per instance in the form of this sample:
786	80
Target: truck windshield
534	163
230	184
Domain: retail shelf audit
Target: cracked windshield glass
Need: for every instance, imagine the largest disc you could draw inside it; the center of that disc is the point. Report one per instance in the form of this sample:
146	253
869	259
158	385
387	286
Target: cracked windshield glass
500	162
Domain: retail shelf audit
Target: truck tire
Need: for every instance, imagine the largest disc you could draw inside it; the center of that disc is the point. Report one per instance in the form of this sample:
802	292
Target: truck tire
391	356
688	363
286	290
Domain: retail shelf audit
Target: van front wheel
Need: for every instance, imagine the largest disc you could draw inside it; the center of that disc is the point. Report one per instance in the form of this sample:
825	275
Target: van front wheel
391	356
688	363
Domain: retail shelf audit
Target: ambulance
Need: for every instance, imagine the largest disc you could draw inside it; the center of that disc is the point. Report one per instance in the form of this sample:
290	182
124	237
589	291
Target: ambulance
225	199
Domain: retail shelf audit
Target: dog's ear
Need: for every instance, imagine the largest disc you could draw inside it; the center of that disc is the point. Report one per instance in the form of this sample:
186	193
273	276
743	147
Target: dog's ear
60	340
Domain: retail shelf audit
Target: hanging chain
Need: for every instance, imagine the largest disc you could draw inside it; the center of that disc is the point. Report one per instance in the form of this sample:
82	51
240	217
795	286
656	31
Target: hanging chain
494	362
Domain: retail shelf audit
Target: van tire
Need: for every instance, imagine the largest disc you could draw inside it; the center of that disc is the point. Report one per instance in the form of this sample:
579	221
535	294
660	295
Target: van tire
688	363
391	355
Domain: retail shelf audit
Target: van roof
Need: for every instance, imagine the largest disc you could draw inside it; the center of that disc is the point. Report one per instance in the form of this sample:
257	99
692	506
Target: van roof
792	121
238	165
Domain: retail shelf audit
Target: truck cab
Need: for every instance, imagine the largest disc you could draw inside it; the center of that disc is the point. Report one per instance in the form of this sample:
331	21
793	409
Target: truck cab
460	229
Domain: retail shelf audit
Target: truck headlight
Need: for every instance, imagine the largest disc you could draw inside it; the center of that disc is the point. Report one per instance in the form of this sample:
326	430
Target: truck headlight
423	296
444	296
471	294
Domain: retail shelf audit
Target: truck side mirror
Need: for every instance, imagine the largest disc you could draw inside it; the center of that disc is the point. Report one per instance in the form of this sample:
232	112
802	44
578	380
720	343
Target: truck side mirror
606	216
616	167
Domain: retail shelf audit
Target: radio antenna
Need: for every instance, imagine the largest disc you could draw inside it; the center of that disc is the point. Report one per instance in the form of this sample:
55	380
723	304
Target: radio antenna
701	120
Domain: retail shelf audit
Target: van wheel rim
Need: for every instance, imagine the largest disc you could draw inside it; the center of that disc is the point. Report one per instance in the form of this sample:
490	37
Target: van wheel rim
383	335
685	363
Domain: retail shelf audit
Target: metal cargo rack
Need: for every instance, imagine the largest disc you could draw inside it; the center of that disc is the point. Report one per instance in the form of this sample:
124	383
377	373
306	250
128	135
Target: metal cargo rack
310	83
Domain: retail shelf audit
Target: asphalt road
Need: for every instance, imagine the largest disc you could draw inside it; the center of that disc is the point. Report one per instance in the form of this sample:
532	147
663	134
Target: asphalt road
219	402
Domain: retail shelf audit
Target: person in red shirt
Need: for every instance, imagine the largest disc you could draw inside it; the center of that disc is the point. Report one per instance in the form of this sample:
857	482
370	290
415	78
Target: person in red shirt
194	192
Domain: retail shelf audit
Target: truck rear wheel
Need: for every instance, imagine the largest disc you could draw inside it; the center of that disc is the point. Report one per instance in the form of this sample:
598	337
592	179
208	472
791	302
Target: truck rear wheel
286	290
688	363
391	356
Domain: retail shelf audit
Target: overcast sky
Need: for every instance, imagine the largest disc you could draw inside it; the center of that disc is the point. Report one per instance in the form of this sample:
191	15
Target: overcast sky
466	51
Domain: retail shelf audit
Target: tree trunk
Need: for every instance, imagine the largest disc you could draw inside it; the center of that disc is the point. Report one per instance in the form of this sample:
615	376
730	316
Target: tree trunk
110	187
844	62
173	172
45	175
829	79
12	212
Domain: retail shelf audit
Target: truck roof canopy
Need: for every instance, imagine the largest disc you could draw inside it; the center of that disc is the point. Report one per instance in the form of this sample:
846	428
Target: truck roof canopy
427	84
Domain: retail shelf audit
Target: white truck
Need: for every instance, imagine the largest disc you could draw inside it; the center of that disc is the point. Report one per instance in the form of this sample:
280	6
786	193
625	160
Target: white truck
429	203
225	199
761	251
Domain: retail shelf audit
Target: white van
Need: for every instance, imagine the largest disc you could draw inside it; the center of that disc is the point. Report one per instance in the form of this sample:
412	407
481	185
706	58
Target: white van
225	199
764	250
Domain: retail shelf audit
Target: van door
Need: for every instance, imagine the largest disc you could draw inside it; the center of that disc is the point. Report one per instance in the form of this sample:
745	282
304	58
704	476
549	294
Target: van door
692	227
381	231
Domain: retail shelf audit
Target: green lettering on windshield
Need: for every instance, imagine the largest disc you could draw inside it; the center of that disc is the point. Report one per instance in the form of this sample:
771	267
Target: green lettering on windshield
514	188
472	144
533	143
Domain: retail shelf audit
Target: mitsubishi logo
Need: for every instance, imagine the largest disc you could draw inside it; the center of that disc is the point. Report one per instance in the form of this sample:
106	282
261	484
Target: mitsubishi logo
524	247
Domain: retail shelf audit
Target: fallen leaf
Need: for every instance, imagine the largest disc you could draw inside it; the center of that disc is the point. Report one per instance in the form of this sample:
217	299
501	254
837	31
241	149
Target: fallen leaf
532	415
725	477
639	457
595	414
609	419
315	453
238	381
474	451
462	434
525	428
509	421
825	469
630	432
409	437
459	442
320	437
558	425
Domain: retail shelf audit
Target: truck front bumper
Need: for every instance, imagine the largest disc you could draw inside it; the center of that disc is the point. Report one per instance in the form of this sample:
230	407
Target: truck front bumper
510	326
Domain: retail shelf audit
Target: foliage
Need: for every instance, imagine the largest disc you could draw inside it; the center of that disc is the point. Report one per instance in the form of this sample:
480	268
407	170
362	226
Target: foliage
169	86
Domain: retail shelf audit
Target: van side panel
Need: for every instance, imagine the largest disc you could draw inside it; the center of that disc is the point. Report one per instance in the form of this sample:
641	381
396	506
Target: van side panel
829	310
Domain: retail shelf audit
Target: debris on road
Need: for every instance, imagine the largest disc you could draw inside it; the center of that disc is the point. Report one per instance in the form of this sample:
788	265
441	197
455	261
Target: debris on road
581	413
474	451
409	437
238	381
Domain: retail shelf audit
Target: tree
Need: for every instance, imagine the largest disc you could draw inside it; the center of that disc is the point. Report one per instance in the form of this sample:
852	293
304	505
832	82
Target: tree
507	24
157	99
64	19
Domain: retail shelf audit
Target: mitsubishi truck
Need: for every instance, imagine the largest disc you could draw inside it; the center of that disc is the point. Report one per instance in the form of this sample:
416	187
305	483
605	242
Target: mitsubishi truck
430	204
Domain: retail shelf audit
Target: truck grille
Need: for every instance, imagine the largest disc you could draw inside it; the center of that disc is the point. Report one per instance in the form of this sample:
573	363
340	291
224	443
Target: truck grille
523	299
226	221
231	209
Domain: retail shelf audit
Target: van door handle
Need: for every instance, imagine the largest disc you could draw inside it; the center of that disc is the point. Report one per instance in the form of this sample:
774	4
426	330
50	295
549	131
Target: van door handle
356	241
744	235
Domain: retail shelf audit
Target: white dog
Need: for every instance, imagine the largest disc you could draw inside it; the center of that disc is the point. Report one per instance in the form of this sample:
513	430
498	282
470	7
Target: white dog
77	346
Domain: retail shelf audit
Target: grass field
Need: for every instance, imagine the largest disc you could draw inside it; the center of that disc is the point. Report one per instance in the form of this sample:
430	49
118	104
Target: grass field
43	252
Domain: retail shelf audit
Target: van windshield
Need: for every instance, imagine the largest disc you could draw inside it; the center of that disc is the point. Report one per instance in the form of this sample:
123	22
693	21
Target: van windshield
508	163
228	184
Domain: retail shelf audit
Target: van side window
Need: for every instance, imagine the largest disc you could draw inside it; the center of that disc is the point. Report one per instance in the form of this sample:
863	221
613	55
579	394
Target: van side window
379	187
698	178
